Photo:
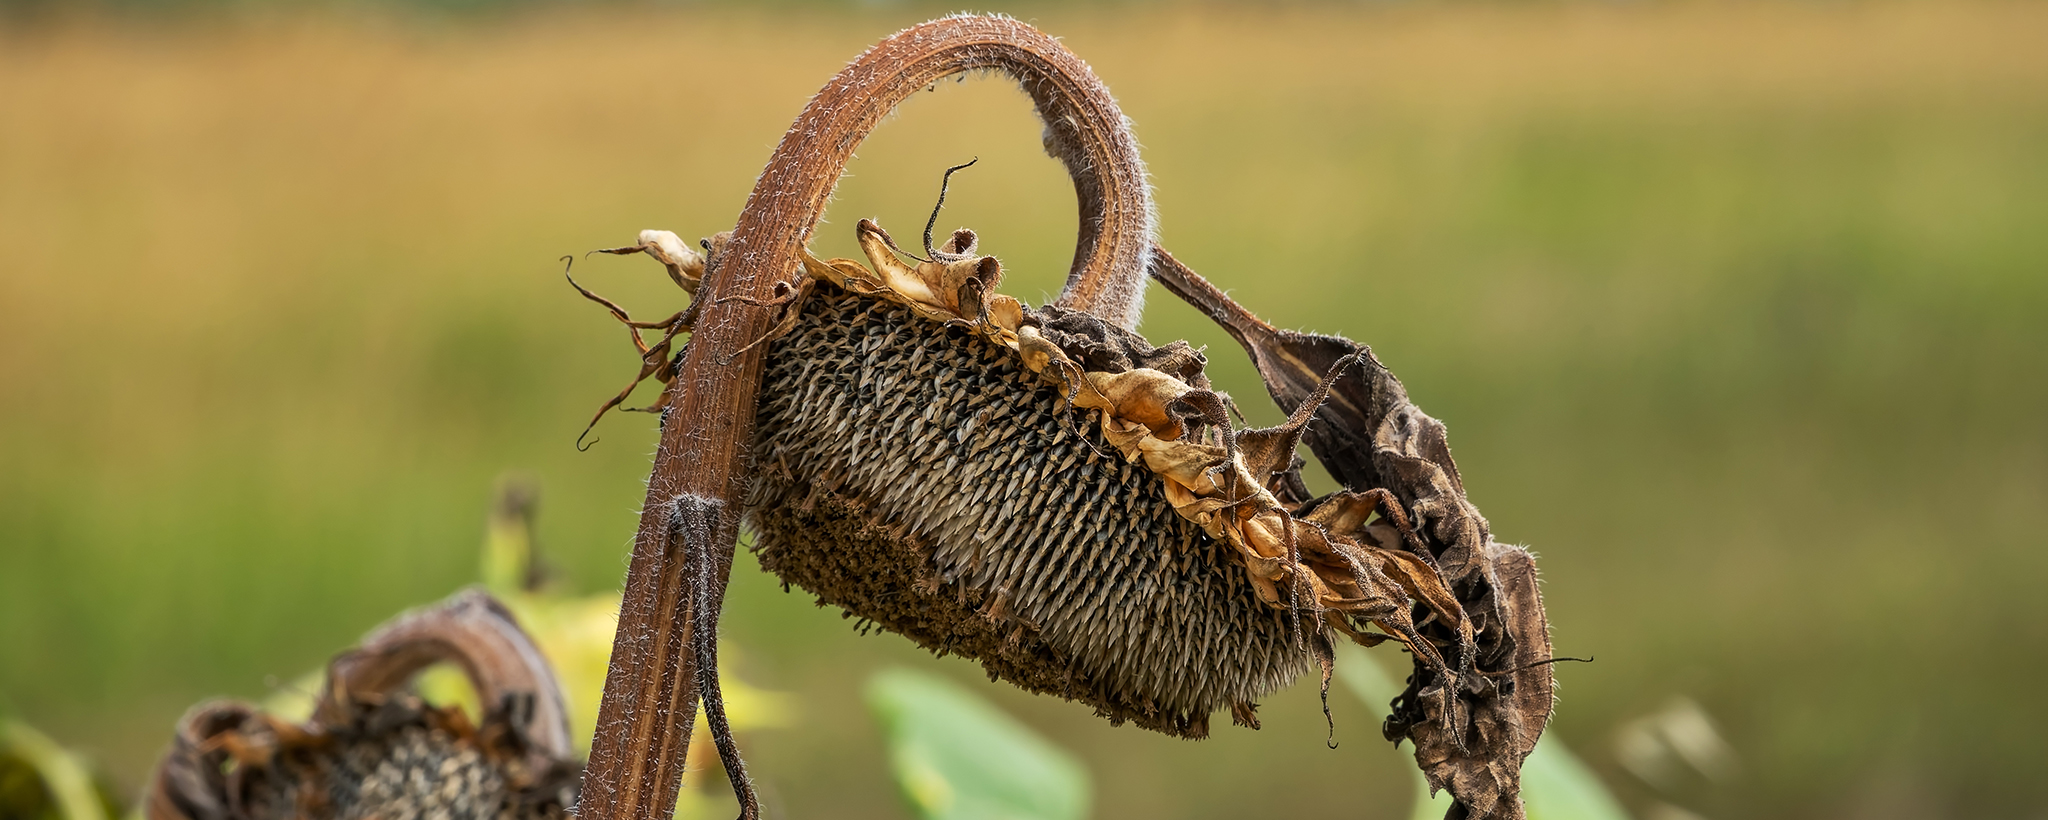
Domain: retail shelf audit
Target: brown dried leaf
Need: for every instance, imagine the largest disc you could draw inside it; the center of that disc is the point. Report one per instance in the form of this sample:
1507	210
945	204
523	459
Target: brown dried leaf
1472	725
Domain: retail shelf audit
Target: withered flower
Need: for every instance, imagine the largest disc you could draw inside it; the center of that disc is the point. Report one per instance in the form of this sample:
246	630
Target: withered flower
375	750
1042	489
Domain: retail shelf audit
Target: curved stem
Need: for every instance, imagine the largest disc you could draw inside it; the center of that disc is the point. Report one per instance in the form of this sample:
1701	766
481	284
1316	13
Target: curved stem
477	633
1084	130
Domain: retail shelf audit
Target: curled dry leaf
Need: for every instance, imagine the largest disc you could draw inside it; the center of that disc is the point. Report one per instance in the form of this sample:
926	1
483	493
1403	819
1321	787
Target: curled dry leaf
1473	729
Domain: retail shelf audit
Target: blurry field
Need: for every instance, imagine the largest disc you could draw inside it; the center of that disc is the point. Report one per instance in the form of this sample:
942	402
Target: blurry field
1738	315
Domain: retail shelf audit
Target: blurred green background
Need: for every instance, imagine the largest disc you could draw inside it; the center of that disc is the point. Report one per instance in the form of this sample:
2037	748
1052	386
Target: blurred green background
1737	314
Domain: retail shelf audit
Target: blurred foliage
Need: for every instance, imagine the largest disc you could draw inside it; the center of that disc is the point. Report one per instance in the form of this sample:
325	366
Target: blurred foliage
1555	785
575	632
34	11
41	780
1736	313
956	757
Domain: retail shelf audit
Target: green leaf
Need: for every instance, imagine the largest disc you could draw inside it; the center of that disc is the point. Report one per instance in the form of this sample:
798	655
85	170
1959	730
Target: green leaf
39	778
1555	785
958	758
1367	679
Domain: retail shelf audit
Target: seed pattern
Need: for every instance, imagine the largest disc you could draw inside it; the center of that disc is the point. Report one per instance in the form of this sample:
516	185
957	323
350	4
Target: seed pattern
1057	564
413	773
399	760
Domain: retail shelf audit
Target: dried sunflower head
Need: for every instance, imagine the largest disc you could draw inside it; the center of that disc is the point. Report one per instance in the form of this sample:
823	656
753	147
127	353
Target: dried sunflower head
374	750
1049	494
1043	490
1054	496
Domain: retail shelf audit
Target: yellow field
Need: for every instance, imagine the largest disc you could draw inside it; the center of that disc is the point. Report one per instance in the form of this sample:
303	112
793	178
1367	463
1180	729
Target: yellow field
1737	314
